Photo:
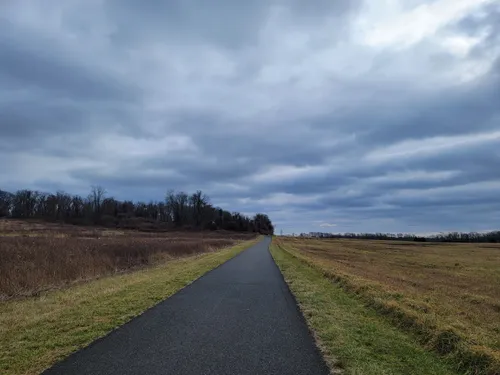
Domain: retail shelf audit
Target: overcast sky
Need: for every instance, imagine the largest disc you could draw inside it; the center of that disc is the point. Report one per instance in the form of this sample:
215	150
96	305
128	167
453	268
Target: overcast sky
326	115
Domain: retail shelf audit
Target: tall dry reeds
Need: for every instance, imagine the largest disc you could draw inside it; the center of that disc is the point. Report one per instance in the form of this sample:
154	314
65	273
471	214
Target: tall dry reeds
31	264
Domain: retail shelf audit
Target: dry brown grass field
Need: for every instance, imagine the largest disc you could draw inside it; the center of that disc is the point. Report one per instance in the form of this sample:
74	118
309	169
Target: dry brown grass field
37	256
446	293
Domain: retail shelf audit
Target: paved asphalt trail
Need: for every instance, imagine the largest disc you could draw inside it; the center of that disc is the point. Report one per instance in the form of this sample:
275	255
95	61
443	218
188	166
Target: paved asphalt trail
237	319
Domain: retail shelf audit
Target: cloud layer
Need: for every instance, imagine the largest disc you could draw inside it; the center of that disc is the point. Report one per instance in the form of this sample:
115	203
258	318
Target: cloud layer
339	116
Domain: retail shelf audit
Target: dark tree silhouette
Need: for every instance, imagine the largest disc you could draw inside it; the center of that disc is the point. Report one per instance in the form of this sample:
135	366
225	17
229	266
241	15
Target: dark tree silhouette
179	211
492	237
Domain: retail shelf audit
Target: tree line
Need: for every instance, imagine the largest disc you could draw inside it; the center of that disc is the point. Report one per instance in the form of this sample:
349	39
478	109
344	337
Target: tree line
491	237
179	210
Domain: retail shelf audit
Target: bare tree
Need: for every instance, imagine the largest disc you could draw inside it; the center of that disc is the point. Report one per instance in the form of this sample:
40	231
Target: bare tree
96	197
5	203
198	201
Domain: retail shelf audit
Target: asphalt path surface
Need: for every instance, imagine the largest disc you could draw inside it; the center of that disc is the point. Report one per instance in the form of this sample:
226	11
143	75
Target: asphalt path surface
239	318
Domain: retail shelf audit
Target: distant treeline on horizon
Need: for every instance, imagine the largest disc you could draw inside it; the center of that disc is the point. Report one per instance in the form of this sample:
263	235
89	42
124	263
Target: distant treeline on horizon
491	237
179	211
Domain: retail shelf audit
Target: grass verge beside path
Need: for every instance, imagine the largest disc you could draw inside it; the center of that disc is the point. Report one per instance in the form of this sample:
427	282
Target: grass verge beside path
37	332
354	339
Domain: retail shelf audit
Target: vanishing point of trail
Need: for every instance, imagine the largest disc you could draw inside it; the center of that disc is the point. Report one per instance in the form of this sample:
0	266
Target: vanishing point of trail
237	319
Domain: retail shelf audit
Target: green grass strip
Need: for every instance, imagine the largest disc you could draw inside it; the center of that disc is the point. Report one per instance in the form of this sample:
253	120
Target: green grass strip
354	339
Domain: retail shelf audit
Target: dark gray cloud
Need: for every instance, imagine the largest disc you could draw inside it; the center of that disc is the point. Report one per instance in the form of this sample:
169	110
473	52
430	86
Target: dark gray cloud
18	67
225	23
336	113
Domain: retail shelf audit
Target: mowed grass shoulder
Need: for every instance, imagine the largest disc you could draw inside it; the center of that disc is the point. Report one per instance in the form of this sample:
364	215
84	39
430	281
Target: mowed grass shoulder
354	340
37	332
446	295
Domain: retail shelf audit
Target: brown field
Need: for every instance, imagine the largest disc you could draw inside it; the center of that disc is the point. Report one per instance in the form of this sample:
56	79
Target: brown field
37	256
448	294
